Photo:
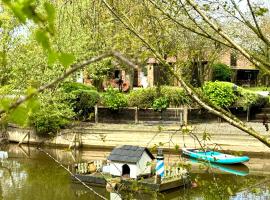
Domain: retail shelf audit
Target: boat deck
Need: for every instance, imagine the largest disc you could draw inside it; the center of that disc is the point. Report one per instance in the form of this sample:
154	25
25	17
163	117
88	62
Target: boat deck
98	179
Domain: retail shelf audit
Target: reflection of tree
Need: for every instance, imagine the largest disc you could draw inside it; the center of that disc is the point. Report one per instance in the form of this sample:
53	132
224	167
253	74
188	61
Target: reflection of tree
221	186
9	172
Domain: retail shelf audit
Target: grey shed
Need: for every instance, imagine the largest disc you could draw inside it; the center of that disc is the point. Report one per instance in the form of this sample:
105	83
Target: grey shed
130	161
128	154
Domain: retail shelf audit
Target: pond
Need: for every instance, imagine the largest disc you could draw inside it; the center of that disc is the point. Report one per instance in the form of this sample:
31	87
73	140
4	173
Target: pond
30	174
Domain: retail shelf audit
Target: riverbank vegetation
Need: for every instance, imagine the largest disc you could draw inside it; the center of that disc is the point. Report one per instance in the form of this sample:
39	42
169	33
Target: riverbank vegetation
76	101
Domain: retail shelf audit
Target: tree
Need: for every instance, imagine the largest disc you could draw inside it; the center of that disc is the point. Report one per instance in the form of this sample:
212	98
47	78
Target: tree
227	41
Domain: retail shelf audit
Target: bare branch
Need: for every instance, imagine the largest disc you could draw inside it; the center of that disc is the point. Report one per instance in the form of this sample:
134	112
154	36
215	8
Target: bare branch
204	34
259	31
260	63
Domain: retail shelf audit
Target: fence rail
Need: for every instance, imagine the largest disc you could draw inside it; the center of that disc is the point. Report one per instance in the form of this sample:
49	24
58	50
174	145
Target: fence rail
136	115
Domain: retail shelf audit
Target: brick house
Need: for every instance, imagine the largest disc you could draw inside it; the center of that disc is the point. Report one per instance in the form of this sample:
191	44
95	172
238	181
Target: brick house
156	74
244	72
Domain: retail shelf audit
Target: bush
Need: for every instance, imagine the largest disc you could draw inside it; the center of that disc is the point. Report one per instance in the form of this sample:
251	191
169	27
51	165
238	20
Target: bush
113	99
142	98
221	72
145	98
53	114
176	96
249	98
227	94
160	104
220	93
73	86
81	97
83	102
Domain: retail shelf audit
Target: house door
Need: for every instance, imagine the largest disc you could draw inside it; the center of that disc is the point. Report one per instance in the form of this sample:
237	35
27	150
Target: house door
136	78
125	170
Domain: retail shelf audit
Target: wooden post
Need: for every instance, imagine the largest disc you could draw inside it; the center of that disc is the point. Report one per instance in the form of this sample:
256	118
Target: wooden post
28	139
27	134
158	179
185	115
96	113
181	116
72	143
248	113
136	115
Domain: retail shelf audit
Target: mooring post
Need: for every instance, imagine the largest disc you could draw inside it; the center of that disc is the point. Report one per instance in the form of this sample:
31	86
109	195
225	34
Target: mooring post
96	113
136	115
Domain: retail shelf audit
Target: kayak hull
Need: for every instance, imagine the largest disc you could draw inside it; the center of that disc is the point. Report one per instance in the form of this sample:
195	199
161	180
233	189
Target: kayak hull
214	156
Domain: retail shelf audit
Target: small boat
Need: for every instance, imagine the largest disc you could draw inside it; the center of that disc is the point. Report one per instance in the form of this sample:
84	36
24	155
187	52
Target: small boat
214	156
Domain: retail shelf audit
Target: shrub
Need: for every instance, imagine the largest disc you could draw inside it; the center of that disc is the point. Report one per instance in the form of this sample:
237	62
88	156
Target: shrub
54	114
81	97
249	98
83	102
113	99
142	98
221	72
146	98
160	104
226	94
73	86
220	93
176	96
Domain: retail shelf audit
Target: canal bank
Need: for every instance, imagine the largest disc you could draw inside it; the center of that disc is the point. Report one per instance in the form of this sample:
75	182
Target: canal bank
107	136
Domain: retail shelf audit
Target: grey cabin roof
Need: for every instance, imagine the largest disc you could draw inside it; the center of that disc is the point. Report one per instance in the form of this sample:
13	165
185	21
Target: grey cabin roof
128	154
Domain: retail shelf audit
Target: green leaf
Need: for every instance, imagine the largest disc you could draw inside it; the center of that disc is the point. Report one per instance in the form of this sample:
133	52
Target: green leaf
52	57
5	103
66	59
18	13
33	105
50	10
30	90
19	115
43	39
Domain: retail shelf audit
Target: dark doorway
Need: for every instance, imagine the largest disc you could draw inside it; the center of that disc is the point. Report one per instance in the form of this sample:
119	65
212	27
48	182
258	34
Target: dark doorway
136	78
117	74
125	170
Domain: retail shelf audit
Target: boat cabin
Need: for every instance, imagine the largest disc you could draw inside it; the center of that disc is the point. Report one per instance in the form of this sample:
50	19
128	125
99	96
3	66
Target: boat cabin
130	161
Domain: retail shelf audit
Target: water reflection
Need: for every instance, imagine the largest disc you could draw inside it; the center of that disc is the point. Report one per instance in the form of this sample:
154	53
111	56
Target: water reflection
237	169
29	174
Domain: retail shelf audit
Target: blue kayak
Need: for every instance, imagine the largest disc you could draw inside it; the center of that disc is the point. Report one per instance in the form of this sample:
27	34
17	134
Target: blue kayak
214	156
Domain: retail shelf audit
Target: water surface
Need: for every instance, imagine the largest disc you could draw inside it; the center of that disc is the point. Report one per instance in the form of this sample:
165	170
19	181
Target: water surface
30	174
